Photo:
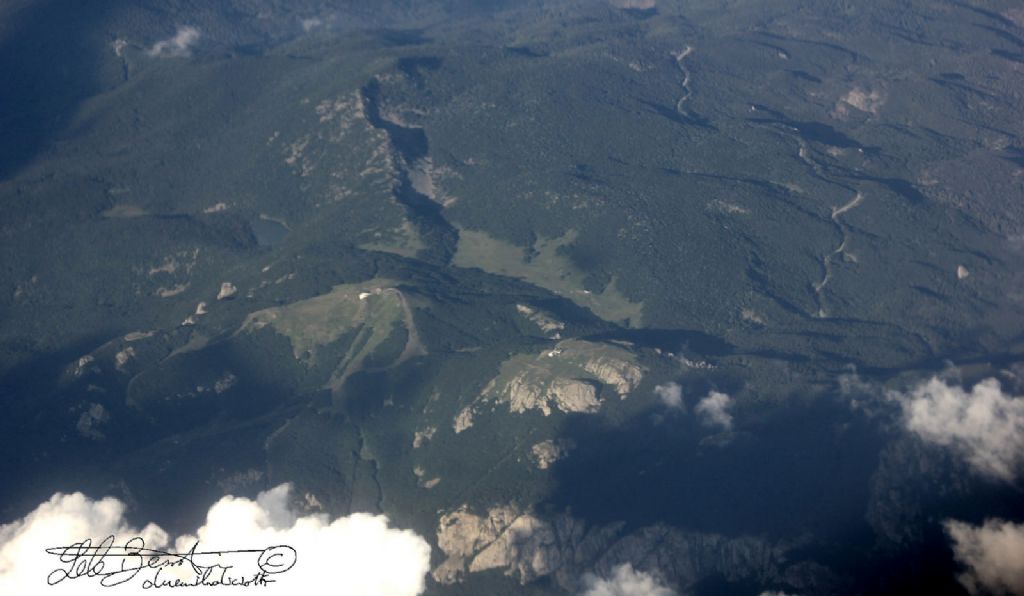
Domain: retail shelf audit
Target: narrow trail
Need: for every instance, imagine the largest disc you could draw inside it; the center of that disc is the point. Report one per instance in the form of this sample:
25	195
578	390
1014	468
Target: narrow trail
819	171
804	153
353	362
413	345
828	258
687	91
854	202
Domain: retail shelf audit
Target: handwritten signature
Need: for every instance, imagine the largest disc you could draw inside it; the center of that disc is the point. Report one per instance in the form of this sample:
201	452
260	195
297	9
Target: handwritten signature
115	565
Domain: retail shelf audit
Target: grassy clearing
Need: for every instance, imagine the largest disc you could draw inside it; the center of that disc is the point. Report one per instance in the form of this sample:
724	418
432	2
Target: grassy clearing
549	269
324	319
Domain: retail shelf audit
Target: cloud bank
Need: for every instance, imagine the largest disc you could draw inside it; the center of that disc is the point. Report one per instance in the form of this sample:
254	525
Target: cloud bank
985	425
670	394
24	565
625	581
992	553
357	555
177	46
713	410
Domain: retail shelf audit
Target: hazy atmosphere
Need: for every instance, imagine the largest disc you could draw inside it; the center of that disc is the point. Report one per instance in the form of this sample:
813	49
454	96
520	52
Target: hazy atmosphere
541	297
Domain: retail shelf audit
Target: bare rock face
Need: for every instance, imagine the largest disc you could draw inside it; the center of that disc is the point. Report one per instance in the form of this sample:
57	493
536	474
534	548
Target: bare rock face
624	376
528	546
548	452
91	420
82	365
567	378
461	534
227	290
463	420
122	358
505	538
423	436
423	481
685	557
568	395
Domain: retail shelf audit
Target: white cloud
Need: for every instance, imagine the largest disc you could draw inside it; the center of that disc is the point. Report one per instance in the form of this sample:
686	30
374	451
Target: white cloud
851	385
63	519
178	45
713	410
993	554
357	555
625	581
310	24
670	394
985	426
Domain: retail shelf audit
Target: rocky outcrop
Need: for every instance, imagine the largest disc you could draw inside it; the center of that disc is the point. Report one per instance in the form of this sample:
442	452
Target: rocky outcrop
421	437
528	546
423	481
548	452
568	395
461	534
91	420
504	538
567	378
227	290
122	358
622	375
463	420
